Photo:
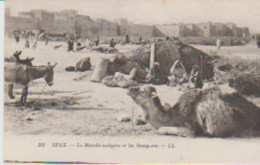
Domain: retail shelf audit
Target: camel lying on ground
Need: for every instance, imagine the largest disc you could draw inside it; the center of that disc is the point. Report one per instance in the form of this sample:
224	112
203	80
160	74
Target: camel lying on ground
200	112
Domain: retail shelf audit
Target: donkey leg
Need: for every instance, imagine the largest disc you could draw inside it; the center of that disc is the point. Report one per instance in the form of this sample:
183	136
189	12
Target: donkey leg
10	91
178	131
26	93
23	95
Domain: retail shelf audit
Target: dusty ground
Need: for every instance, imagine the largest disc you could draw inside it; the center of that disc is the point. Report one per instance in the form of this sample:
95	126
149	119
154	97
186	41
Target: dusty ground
82	108
247	52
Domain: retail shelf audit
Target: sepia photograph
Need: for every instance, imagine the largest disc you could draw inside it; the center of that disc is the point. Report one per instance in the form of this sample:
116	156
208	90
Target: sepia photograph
131	81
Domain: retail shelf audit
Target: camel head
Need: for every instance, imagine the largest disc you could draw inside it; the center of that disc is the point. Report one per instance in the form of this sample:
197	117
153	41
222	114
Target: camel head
147	98
143	94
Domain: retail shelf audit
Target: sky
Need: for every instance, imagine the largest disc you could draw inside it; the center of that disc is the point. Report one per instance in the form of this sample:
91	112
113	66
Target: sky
245	13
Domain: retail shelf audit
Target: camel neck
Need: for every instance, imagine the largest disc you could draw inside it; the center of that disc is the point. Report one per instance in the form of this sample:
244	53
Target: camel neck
156	114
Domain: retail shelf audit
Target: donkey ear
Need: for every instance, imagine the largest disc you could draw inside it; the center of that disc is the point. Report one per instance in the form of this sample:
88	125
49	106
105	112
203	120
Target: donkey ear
53	66
31	58
19	53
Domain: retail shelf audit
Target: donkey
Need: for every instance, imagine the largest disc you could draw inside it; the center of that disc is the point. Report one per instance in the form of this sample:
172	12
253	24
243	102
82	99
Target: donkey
24	74
16	58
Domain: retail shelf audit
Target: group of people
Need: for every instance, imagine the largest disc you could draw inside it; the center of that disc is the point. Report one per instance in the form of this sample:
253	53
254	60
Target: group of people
27	36
80	45
179	75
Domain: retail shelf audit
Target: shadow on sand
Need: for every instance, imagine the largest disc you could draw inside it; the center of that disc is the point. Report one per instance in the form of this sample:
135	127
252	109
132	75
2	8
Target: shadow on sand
61	103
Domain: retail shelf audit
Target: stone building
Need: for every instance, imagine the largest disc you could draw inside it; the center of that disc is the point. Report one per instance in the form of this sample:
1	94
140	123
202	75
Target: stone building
207	29
107	28
70	22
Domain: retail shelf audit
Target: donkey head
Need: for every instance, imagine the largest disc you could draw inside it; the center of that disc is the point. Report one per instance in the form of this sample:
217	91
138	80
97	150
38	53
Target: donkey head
48	77
17	54
28	61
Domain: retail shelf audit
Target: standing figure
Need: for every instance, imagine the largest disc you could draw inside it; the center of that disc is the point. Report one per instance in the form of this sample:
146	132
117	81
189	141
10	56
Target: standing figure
258	41
27	44
140	40
17	38
46	40
34	44
112	44
218	44
97	41
87	42
127	40
70	45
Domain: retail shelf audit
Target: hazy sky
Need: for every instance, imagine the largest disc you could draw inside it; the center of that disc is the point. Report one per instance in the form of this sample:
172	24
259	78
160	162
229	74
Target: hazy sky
245	13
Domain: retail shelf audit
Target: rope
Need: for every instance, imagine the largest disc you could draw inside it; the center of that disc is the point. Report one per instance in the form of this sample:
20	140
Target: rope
37	99
133	114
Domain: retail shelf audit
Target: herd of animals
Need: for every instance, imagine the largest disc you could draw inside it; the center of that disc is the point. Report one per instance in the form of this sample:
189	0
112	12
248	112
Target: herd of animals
198	112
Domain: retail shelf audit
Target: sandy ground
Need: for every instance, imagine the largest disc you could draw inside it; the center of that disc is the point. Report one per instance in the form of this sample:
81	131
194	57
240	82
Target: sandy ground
92	104
84	109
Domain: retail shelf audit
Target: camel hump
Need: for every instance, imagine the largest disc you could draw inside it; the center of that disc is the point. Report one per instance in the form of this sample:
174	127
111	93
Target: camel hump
167	107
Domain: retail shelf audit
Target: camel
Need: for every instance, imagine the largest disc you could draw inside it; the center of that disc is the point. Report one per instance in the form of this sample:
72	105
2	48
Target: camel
23	75
200	112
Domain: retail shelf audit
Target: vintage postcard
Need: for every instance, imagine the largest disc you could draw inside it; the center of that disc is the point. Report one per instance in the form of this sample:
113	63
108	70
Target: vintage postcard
131	81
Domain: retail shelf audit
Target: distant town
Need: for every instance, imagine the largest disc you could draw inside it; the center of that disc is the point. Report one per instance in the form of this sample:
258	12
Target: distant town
69	21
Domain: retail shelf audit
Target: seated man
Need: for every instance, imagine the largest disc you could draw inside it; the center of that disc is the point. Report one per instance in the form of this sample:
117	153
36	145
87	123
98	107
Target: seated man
194	74
178	74
195	77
